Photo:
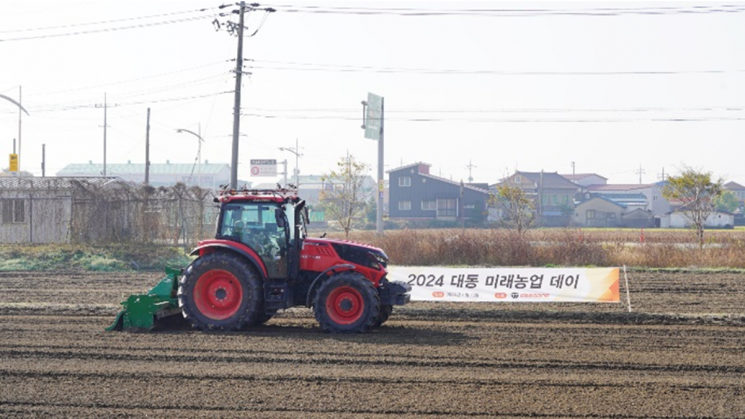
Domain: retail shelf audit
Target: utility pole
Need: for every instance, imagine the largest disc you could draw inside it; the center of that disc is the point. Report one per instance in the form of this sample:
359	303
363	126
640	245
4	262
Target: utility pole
43	159
540	195
147	149
373	114
297	168
285	172
573	174
662	176
640	172
461	207
20	101
470	166
381	172
296	152
237	30
237	106
105	125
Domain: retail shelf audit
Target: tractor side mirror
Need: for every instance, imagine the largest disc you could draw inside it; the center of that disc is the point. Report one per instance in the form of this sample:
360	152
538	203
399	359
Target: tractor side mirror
279	216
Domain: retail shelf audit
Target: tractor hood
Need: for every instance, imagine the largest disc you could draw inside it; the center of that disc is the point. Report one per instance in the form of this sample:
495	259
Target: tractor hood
359	253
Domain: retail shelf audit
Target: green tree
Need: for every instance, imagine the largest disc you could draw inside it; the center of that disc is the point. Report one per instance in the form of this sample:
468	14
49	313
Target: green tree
516	208
345	200
696	192
727	201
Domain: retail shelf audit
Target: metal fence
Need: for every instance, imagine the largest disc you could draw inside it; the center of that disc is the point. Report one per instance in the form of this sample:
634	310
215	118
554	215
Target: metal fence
83	212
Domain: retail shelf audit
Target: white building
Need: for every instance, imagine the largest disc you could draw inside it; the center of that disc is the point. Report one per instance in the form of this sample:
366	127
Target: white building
717	219
206	175
644	196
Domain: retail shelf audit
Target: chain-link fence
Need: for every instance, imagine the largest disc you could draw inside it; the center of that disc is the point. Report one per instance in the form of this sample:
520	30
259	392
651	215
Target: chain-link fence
112	212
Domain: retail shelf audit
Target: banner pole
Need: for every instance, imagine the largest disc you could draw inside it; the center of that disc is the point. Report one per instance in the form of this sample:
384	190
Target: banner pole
628	296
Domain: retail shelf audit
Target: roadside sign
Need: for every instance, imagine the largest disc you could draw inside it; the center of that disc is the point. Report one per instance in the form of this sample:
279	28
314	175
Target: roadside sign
373	116
265	167
14	162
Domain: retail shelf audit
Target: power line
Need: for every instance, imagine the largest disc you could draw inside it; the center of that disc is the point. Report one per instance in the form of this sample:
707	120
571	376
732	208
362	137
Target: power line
512	110
105	21
143	25
486	12
502	120
88	106
98	86
305	66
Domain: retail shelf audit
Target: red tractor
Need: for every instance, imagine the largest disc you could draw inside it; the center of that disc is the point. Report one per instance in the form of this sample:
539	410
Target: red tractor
261	261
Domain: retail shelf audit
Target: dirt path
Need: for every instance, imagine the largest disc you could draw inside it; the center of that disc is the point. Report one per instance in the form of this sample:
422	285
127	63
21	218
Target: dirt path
680	355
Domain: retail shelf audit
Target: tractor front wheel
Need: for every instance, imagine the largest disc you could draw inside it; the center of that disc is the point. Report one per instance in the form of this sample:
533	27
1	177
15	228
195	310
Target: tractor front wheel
385	313
220	291
347	303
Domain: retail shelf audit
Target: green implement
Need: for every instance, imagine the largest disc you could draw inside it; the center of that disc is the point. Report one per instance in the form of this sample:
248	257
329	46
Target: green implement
142	311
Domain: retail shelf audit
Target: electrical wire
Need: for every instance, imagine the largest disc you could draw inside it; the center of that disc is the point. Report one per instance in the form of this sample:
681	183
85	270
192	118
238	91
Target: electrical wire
506	12
143	102
144	25
305	66
510	110
501	120
106	21
98	86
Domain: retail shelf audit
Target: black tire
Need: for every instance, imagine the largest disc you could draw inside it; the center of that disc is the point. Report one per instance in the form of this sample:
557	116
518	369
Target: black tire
385	313
346	303
220	291
262	319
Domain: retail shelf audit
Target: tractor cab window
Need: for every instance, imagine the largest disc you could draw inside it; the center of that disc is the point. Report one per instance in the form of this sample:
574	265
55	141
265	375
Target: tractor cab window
255	225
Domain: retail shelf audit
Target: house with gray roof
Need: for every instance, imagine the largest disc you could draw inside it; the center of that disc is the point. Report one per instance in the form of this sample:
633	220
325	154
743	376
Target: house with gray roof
417	195
586	179
553	194
600	211
645	196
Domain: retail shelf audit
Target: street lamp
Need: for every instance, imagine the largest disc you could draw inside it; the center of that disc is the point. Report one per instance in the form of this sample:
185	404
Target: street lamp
20	108
296	152
199	153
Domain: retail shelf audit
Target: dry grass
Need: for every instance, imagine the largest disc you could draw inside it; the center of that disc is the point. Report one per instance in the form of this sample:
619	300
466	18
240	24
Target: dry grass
560	247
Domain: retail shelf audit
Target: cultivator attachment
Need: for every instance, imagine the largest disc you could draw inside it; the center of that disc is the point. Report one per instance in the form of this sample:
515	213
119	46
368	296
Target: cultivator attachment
143	312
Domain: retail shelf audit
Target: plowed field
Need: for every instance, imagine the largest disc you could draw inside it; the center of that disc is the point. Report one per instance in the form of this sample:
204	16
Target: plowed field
680	354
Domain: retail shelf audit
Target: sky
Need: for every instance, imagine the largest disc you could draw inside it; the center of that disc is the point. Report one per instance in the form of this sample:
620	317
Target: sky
475	89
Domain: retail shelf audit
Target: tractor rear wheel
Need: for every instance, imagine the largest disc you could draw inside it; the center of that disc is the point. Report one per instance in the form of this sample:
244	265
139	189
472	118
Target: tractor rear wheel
220	291
347	303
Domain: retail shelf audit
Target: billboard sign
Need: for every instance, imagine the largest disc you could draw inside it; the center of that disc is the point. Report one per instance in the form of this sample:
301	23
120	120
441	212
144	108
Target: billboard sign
264	168
373	116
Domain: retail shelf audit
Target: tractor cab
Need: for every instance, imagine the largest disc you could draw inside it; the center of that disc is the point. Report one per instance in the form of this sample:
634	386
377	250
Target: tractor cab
273	226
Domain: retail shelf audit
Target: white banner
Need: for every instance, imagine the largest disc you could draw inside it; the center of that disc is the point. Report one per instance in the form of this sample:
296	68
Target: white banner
433	283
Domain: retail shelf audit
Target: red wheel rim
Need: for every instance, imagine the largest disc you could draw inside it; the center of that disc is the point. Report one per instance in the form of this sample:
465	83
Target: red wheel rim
218	294
345	305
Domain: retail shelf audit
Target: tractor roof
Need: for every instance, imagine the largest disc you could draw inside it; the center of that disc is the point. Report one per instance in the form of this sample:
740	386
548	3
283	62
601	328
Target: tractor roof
279	195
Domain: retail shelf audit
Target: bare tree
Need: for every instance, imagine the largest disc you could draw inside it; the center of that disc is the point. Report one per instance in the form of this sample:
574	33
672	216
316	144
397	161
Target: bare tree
516	208
345	198
697	193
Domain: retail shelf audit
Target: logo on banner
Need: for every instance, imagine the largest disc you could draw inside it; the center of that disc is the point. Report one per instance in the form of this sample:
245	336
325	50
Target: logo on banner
438	294
500	295
515	295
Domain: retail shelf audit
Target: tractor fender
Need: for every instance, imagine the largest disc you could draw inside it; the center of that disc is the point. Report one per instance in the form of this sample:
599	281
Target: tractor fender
341	268
238	248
